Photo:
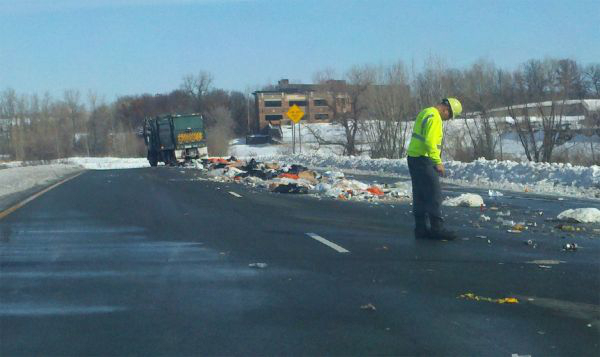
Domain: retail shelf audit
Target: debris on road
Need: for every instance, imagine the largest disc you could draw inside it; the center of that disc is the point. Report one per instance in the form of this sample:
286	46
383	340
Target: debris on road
506	300
297	179
519	227
580	215
568	228
368	307
464	200
493	193
570	247
545	262
258	265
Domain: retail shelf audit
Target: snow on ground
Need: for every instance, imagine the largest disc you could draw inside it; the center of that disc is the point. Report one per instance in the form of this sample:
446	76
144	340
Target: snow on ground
105	163
555	179
17	179
18	176
464	200
581	215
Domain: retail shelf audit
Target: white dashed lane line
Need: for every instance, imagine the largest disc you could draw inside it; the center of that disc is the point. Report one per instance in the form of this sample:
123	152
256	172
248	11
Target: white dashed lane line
234	194
328	243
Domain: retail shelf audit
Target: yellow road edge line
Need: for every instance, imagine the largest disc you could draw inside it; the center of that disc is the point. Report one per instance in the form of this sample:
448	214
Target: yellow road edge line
15	207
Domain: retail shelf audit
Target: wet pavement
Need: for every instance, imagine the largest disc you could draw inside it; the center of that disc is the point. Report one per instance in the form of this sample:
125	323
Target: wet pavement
160	261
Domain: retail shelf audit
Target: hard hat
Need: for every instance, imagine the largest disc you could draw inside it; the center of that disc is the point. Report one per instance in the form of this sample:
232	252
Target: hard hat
455	106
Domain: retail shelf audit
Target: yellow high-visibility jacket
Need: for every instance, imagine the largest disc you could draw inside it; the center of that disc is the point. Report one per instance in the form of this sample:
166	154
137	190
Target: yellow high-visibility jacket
427	136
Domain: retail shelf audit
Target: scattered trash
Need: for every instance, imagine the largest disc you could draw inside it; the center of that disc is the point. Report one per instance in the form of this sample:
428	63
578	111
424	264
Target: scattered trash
519	227
484	218
493	193
531	243
568	228
545	266
464	200
503	214
513	231
507	300
258	265
375	190
482	237
290	188
505	222
545	262
570	247
580	215
368	307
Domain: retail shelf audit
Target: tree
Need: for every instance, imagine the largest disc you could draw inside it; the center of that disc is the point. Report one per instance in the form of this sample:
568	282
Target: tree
592	78
197	87
348	104
390	107
480	95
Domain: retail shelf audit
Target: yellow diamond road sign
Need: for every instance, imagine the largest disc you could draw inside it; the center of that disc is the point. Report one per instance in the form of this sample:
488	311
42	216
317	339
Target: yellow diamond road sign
295	113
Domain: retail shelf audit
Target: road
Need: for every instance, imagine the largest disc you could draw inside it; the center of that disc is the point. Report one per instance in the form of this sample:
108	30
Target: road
156	262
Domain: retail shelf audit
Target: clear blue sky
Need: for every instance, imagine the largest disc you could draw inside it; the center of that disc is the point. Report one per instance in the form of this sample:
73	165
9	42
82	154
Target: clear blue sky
147	46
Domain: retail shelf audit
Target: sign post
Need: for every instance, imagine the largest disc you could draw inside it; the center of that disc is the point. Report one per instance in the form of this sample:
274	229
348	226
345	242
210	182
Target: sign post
295	114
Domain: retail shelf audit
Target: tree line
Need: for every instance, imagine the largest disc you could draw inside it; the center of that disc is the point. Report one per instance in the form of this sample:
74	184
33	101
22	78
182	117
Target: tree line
385	101
37	127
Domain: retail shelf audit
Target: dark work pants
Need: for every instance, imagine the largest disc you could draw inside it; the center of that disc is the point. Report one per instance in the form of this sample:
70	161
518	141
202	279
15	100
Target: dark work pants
427	192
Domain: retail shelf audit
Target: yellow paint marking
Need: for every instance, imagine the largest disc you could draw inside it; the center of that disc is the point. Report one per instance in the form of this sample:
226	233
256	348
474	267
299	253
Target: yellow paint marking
11	209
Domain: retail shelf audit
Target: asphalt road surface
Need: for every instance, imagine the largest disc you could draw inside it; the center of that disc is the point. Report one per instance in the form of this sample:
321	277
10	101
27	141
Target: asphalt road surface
158	261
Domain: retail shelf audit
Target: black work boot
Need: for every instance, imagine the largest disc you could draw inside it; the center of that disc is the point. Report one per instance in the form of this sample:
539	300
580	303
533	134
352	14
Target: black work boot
421	231
438	231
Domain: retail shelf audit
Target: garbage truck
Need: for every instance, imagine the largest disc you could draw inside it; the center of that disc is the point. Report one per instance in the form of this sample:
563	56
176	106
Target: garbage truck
175	139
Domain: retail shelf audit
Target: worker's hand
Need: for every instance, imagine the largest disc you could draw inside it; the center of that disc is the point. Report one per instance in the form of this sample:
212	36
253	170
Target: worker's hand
440	169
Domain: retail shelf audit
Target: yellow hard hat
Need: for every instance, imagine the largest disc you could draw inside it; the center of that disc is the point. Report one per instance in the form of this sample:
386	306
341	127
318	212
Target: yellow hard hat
455	106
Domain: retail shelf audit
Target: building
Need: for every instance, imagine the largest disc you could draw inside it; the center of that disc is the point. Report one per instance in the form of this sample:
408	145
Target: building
315	100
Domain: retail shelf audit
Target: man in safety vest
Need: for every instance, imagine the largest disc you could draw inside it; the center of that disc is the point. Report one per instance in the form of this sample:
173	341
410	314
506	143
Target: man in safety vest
425	165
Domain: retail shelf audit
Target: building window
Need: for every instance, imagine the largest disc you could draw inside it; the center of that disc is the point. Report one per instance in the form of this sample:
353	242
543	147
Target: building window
300	103
272	103
320	102
273	117
321	116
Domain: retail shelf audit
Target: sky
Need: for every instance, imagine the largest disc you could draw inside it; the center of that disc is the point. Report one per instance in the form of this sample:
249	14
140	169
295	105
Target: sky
128	47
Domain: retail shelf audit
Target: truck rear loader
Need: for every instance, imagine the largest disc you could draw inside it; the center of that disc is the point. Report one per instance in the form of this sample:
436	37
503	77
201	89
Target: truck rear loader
175	139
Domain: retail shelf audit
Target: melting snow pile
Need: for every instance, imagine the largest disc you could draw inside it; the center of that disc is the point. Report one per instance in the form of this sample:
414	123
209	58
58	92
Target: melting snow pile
286	178
464	200
581	215
105	163
550	178
17	179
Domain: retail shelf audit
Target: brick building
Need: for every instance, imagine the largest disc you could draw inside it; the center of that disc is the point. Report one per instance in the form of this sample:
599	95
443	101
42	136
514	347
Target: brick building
314	99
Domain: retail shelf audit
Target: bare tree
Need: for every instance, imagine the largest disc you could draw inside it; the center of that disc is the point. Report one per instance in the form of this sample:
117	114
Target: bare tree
198	86
390	107
479	94
592	78
348	104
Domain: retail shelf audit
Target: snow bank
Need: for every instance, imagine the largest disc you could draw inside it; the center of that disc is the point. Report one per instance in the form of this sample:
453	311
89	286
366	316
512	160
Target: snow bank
581	215
547	178
464	200
17	179
105	163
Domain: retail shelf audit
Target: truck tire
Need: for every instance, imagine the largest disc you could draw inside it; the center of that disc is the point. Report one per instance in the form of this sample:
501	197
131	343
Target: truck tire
152	158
